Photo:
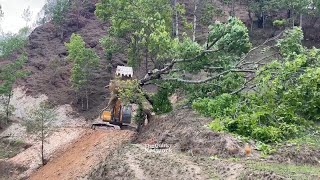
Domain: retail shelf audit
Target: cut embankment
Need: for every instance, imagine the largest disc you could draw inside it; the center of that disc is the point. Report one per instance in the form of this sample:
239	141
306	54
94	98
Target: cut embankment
83	155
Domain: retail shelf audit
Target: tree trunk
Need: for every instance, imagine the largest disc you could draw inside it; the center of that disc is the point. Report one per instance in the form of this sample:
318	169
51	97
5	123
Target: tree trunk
301	17
173	28
7	108
292	16
87	97
61	33
176	18
82	103
42	140
251	20
194	20
233	14
147	59
263	21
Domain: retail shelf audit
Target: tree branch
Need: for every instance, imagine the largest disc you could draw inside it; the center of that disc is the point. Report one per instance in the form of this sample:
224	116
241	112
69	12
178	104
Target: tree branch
257	62
208	50
198	81
244	86
257	47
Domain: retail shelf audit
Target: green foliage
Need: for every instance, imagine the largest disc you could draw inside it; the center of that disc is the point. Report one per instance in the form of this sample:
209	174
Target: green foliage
5	110
295	5
208	13
84	61
216	107
10	73
279	23
225	84
140	116
266	149
285	102
40	119
235	36
130	91
57	10
146	22
12	42
161	101
290	45
10	148
110	46
147	26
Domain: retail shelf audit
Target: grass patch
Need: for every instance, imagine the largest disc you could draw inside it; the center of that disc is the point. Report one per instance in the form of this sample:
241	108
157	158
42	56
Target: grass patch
10	148
287	170
312	140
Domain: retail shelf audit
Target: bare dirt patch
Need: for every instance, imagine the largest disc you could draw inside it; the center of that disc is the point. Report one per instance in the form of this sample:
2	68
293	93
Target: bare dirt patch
134	162
80	157
298	154
186	132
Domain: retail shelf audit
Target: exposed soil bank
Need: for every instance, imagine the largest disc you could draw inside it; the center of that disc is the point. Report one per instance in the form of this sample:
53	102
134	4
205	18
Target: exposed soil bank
83	155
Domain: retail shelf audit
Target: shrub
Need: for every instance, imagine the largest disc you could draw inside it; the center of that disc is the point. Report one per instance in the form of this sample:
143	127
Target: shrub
161	102
284	105
279	23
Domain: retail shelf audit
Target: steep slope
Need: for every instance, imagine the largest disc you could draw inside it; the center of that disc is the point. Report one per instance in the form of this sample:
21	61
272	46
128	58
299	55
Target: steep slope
49	67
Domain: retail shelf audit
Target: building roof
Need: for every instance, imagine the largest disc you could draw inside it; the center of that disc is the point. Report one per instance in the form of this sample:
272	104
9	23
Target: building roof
124	71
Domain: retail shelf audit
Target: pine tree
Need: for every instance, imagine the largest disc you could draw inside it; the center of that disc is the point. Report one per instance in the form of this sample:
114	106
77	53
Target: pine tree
84	61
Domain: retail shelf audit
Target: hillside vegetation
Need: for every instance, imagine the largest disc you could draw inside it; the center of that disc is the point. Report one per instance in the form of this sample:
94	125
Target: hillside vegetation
245	83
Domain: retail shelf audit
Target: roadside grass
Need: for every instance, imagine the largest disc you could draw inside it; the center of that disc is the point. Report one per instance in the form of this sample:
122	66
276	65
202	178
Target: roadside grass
290	171
311	140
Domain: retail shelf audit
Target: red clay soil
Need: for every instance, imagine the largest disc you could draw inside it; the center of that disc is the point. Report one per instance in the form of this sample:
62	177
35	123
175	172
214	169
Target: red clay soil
77	161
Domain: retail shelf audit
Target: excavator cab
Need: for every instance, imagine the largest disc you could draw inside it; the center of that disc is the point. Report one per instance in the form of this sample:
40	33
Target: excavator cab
116	113
119	115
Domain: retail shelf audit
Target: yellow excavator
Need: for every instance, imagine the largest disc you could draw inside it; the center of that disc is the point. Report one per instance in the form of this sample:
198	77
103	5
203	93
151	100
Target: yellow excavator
116	114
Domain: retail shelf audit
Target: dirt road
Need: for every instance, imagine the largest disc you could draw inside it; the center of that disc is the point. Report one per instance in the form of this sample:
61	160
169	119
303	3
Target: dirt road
83	155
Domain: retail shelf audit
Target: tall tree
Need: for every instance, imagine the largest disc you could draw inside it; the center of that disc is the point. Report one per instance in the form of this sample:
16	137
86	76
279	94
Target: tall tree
8	75
194	27
1	12
27	15
136	21
84	62
176	18
57	11
218	56
295	7
39	121
12	42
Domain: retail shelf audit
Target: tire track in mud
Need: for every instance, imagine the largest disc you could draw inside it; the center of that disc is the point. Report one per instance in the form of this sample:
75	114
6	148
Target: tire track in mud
83	155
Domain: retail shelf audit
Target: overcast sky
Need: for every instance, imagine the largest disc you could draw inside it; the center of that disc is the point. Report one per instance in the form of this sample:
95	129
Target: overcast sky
13	10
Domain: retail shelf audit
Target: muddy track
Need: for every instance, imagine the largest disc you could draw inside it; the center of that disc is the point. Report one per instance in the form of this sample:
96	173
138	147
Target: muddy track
83	155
